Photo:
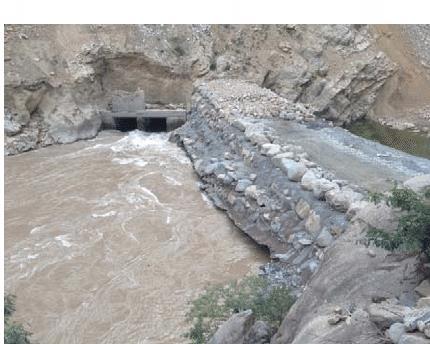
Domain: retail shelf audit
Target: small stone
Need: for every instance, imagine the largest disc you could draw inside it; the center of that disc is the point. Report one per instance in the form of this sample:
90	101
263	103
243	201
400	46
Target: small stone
231	198
227	156
210	169
395	331
336	319
321	186
294	170
302	208
252	177
324	239
313	223
270	149
278	158
342	199
371	253
336	231
242	184
256	138
238	124
252	192
305	242
308	180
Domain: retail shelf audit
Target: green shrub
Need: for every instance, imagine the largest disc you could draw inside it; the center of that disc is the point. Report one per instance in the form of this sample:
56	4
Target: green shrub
413	231
14	333
217	303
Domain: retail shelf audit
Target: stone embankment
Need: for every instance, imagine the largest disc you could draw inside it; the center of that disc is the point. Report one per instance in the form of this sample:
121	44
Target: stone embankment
313	223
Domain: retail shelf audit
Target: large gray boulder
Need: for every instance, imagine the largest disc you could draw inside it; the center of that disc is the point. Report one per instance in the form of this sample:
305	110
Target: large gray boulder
234	330
342	199
294	170
419	184
348	278
387	313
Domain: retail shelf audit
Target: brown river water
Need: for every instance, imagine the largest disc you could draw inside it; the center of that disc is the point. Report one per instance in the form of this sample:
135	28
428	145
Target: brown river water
107	240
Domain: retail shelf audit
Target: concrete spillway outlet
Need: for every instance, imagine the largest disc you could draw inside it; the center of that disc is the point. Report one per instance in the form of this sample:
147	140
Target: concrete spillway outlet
125	123
154	124
149	124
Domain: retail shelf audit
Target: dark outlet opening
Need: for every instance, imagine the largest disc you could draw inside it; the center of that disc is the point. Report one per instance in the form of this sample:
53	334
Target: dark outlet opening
154	124
125	123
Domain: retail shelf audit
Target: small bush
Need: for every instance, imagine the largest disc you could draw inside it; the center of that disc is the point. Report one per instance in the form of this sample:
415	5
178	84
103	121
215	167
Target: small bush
413	231
14	333
218	303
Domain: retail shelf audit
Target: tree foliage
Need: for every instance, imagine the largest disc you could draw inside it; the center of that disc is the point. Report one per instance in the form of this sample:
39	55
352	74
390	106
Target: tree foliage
14	333
413	230
217	303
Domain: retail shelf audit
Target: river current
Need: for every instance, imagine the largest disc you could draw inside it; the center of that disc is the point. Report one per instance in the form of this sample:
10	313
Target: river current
107	240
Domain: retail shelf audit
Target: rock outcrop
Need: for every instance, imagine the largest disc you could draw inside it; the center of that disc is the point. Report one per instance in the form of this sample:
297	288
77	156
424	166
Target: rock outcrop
58	77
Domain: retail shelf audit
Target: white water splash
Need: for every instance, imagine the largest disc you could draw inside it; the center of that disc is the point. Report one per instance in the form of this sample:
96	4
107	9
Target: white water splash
63	240
126	161
110	213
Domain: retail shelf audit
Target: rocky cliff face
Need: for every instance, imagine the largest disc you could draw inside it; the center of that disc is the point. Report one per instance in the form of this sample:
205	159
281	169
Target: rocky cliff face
57	77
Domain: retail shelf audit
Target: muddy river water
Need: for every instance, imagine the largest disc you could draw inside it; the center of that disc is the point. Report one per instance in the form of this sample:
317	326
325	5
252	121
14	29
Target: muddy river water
107	240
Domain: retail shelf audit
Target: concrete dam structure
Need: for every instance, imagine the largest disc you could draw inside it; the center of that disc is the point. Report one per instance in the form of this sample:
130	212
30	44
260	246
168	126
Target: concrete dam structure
127	112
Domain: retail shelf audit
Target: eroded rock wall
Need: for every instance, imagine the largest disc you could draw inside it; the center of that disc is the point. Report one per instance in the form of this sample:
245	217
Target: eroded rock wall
57	77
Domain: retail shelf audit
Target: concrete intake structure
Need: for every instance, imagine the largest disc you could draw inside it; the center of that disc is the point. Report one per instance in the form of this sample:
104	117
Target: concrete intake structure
127	112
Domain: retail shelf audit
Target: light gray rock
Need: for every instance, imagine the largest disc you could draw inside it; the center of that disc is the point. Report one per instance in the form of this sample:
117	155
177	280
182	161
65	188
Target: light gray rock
419	183
11	126
255	137
234	330
313	224
302	208
294	170
210	168
305	241
321	186
395	331
270	149
252	192
324	239
423	288
387	313
308	180
239	124
342	199
375	215
242	184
